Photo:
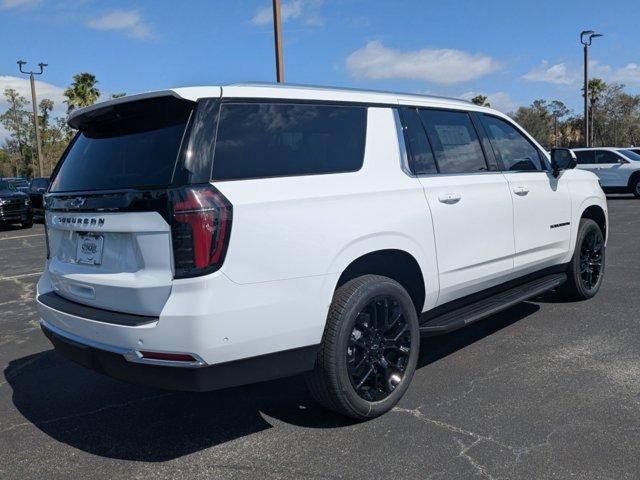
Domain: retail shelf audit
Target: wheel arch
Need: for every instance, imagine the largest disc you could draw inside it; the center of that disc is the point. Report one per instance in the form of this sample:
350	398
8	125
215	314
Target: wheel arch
632	178
393	263
598	215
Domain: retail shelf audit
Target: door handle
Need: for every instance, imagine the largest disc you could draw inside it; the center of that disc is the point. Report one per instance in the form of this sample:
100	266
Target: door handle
450	198
522	191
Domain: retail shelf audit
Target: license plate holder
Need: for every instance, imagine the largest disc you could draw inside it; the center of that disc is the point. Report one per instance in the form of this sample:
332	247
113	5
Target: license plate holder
89	249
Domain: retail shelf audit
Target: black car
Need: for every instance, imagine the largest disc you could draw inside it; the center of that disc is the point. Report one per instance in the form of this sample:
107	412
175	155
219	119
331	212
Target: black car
37	188
15	206
21	184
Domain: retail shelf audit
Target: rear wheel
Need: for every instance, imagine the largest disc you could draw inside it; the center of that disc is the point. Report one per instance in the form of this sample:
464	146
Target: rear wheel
585	271
369	348
635	186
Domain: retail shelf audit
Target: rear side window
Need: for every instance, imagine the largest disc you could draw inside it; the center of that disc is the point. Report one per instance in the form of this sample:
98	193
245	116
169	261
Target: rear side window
454	140
585	156
515	151
257	140
606	156
422	161
130	145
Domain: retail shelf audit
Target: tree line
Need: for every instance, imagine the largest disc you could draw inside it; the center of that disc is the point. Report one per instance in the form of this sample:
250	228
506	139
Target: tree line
18	152
614	117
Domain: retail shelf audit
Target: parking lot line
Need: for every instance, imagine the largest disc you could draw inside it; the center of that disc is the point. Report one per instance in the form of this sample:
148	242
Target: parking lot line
15	277
23	236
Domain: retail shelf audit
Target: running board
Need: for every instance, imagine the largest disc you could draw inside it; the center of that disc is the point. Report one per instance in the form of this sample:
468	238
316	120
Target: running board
460	317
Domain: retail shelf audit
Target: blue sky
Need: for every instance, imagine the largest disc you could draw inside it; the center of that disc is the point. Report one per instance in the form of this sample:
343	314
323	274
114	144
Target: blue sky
512	51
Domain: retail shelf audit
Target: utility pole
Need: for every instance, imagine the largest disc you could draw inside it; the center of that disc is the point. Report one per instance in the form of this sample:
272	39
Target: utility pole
585	38
277	33
34	103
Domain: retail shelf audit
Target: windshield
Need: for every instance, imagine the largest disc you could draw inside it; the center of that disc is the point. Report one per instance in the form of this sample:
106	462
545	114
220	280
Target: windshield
130	145
18	182
631	155
4	185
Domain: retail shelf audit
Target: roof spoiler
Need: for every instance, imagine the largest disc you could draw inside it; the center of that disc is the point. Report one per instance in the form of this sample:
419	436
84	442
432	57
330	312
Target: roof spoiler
80	117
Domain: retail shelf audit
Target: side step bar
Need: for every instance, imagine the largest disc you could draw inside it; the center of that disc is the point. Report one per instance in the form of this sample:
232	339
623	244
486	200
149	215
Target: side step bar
460	317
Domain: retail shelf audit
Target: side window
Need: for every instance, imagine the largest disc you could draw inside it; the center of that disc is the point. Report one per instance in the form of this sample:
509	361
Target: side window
422	161
585	157
606	156
455	141
257	140
515	151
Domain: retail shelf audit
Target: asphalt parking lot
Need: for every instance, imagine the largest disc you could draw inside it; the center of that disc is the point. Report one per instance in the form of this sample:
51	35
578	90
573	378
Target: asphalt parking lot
543	390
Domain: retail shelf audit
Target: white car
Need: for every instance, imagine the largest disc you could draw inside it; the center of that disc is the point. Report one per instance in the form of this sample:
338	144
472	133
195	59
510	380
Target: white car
617	168
200	238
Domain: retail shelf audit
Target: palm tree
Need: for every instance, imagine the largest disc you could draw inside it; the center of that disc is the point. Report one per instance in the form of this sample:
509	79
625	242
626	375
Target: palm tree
82	92
597	87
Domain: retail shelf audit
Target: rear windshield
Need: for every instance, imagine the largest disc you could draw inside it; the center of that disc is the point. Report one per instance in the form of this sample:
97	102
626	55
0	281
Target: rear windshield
130	145
258	140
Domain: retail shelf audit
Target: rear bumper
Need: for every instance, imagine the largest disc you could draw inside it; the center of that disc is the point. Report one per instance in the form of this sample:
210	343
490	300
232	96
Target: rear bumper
112	361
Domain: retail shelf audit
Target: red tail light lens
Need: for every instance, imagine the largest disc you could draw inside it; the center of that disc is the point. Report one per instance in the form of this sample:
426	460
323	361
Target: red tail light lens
200	229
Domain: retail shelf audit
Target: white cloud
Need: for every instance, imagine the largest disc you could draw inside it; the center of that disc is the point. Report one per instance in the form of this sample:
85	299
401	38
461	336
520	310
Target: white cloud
295	9
443	66
43	90
557	74
628	75
7	4
128	22
499	100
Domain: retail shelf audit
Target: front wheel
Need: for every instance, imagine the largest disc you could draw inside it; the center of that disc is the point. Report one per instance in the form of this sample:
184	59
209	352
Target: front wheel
586	268
369	348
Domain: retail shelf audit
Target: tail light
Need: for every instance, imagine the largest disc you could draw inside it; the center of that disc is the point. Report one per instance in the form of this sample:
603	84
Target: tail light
201	225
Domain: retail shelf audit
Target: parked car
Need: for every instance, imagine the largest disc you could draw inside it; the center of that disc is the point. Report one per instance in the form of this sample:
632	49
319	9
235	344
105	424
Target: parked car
21	184
37	188
617	168
15	206
201	238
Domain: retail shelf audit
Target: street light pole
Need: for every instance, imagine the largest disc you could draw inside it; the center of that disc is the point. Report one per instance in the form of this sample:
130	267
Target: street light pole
277	33
35	109
585	38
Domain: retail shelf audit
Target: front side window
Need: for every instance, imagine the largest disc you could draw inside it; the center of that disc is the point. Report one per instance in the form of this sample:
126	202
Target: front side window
585	157
606	156
455	141
515	151
422	158
257	140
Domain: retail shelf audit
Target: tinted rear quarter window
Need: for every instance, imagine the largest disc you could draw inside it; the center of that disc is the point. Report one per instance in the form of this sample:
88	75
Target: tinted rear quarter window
257	140
455	141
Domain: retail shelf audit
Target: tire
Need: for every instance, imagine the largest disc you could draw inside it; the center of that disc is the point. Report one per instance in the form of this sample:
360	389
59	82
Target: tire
586	268
351	338
635	186
27	223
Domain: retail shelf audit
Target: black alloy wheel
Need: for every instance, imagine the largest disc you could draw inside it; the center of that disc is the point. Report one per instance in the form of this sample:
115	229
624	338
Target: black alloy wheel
378	349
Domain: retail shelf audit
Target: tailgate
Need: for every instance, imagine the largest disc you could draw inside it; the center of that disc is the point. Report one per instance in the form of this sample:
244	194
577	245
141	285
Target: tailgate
119	261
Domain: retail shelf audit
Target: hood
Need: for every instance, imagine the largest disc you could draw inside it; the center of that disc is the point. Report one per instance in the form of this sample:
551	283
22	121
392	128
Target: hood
4	194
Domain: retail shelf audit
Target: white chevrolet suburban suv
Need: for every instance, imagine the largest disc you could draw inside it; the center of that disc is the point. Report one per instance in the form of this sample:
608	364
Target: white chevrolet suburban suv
206	237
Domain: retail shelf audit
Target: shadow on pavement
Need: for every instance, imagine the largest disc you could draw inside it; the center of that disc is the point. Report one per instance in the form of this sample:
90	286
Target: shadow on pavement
113	419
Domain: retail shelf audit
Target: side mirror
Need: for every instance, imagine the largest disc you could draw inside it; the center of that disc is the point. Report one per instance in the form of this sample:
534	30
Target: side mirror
562	159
